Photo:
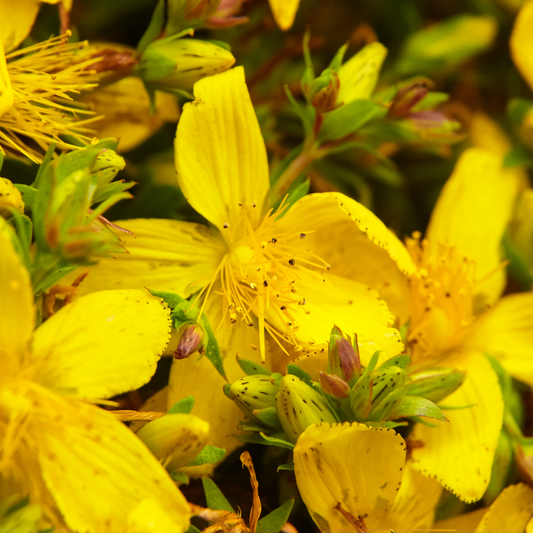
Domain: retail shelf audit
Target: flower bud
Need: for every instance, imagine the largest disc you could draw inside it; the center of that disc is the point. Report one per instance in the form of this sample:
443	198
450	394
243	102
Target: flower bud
406	98
174	63
175	439
322	91
107	166
254	392
388	387
524	460
299	405
192	340
10	198
436	384
343	358
334	385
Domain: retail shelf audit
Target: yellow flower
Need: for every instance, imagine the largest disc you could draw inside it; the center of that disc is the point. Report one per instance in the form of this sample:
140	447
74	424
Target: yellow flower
36	84
355	478
255	270
511	512
455	318
86	470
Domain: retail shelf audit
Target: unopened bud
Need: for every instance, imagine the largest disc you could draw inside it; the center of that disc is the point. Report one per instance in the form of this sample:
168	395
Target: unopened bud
254	392
334	385
175	439
388	387
343	358
435	384
407	98
10	198
524	460
299	405
322	91
107	166
191	341
174	63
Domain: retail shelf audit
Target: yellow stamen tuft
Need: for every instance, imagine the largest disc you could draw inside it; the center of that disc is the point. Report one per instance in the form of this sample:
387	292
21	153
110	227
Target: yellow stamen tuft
442	297
43	77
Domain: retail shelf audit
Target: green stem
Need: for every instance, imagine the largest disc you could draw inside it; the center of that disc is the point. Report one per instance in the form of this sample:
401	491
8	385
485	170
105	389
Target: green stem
298	165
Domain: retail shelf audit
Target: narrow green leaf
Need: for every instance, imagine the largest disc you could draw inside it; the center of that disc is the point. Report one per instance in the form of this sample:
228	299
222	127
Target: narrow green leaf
179	477
302	374
193	529
29	194
210	454
183	406
212	350
286	466
274	521
155	26
250	368
214	497
416	406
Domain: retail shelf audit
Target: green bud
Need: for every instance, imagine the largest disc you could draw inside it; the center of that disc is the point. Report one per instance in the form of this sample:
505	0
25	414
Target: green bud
361	397
388	386
175	439
334	385
299	405
192	339
408	406
269	417
107	166
254	392
173	63
343	357
436	384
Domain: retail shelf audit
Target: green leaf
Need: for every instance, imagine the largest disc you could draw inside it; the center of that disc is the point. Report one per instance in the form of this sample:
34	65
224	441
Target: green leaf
183	406
170	298
269	417
261	438
518	157
155	26
179	477
302	112
298	372
115	187
250	368
212	350
29	194
348	118
193	529
286	466
210	454
214	497
274	521
23	227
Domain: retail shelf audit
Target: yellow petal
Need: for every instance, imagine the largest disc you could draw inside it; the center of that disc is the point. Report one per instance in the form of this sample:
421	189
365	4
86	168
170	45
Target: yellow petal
359	75
126	109
17	313
522	42
96	469
7	96
506	332
415	502
511	511
472	213
167	255
355	243
220	154
103	344
459	453
351	306
18	19
354	465
284	12
464	523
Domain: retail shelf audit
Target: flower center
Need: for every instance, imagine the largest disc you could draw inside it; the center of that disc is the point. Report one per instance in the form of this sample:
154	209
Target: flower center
442	297
259	279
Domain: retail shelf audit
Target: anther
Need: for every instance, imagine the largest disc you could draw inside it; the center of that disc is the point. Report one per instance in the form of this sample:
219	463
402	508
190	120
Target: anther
226	225
274	240
265	283
302	235
292	262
